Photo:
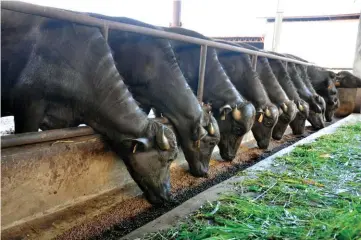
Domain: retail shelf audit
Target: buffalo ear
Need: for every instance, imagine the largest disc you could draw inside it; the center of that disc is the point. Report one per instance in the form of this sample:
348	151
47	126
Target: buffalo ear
199	132
137	144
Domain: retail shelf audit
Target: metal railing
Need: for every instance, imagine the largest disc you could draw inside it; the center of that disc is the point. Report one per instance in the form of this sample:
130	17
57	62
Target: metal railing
105	25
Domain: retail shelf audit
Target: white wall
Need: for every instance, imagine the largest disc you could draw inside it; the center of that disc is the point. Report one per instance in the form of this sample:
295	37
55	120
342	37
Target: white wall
326	43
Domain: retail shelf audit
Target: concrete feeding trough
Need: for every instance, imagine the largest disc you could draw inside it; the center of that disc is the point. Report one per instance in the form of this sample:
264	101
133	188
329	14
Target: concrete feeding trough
51	172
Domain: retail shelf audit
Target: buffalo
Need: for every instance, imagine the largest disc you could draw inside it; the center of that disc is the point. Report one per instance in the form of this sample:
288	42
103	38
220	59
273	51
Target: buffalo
238	67
235	115
152	73
47	62
277	95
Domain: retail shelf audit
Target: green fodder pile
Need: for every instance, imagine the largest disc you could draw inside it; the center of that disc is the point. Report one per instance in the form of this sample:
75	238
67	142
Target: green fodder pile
314	192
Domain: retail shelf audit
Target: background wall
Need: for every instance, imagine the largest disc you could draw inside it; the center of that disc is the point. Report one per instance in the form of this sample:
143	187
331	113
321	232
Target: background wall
327	43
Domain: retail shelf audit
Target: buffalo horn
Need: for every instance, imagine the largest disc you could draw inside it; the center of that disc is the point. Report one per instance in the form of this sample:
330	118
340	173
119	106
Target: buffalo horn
284	107
268	113
260	119
236	114
210	129
162	140
300	107
135	147
223	109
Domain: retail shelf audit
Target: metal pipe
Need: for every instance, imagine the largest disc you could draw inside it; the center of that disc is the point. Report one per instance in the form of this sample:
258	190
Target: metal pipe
277	28
254	62
56	134
177	4
44	136
84	19
202	72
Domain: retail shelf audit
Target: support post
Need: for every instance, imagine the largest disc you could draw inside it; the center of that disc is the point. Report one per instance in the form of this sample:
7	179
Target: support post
202	71
357	67
277	28
176	22
357	60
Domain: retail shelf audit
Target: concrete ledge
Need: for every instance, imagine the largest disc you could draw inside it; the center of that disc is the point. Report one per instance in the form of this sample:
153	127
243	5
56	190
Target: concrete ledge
174	216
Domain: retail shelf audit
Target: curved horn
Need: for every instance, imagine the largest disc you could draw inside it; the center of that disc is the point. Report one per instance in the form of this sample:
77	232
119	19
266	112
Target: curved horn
268	113
300	107
223	111
236	114
210	129
162	140
260	119
284	107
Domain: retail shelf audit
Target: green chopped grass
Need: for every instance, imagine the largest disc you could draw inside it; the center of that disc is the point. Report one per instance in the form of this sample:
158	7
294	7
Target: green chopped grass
314	192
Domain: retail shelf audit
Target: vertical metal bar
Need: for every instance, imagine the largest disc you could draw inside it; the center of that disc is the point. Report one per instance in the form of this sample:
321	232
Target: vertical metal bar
357	60
277	27
202	71
176	22
104	30
254	62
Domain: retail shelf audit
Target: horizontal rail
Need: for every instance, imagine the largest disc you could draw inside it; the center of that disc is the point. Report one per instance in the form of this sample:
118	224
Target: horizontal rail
82	18
14	140
44	136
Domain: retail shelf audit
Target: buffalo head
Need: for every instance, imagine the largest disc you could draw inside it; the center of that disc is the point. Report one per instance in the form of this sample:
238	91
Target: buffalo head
234	123
345	79
204	138
298	124
331	107
317	118
288	111
148	160
266	119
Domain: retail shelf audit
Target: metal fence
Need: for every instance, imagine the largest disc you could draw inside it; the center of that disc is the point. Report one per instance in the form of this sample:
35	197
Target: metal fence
105	25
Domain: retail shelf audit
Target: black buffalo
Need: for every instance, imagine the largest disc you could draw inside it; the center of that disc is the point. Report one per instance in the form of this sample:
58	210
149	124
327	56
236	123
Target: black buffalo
48	62
345	79
322	81
235	115
151	71
275	92
283	77
239	69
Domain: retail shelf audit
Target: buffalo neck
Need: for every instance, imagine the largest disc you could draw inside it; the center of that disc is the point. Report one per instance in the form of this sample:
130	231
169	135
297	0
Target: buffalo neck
112	104
302	89
250	85
218	88
285	80
274	89
306	78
